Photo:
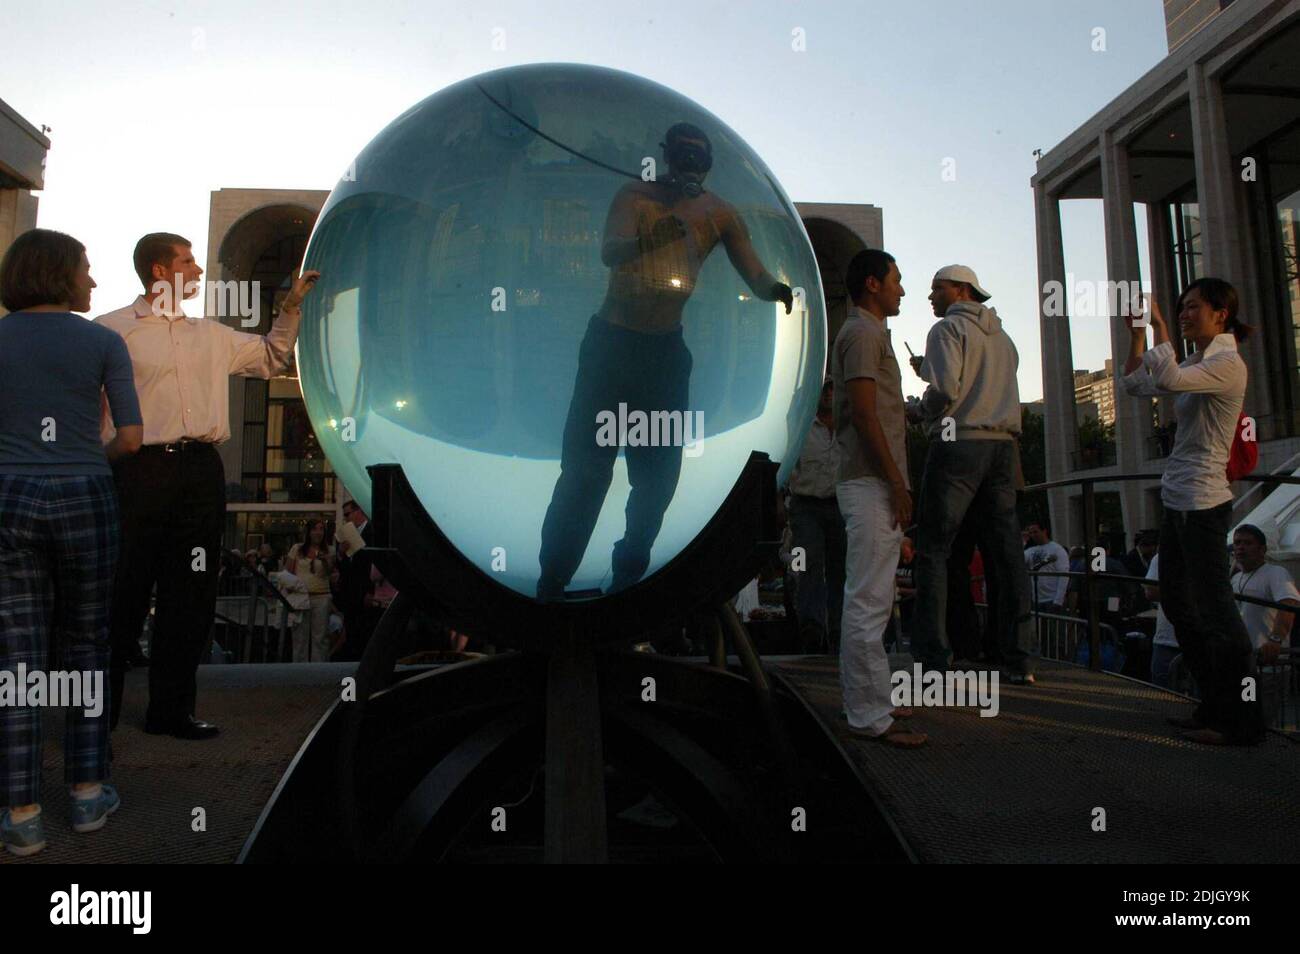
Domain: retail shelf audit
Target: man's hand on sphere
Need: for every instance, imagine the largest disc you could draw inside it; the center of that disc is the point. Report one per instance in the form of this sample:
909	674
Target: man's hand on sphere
781	292
302	285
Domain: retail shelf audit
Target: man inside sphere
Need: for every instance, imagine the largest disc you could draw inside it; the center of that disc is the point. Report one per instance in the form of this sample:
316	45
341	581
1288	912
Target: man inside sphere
657	237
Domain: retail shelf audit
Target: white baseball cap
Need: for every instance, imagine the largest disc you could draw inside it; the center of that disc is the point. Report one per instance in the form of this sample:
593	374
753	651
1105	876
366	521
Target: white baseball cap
960	273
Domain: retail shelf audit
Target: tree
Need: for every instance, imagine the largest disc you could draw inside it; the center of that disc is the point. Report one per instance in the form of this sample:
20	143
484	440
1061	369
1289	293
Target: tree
1096	443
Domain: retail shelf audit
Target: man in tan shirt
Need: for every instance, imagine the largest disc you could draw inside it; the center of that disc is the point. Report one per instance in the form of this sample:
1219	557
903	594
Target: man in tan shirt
873	493
172	493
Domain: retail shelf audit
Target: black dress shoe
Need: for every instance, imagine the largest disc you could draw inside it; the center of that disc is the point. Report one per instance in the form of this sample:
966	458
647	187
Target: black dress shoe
186	728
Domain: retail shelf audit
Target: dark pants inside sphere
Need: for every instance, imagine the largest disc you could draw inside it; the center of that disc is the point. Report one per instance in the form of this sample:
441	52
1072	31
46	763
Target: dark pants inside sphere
644	372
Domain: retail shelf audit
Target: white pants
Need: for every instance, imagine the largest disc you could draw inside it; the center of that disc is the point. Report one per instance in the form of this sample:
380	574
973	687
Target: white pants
311	637
869	568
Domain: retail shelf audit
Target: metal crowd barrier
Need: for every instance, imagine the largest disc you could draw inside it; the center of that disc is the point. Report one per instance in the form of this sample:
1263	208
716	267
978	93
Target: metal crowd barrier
254	612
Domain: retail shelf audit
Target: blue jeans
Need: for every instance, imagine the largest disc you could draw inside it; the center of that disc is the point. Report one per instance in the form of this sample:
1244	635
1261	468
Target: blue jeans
976	476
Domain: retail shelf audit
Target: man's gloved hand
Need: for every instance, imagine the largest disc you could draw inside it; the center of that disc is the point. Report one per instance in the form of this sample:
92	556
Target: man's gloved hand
782	292
665	231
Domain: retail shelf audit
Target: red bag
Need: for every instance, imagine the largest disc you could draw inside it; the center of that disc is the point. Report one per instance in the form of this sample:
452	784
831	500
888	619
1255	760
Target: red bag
1244	454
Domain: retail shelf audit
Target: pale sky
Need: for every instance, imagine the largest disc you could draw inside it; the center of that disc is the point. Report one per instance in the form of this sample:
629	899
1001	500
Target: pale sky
152	105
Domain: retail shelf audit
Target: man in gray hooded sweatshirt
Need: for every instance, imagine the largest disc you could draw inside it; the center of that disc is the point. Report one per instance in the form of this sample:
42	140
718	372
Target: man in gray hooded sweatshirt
972	410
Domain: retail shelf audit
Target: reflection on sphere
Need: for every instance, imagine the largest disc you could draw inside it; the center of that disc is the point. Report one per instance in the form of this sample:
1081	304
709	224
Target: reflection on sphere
550	294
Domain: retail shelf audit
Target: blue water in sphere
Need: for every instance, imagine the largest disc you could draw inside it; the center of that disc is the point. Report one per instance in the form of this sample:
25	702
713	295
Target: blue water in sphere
555	306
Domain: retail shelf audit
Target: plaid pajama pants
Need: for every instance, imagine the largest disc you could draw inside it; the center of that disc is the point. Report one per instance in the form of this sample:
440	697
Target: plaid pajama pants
58	552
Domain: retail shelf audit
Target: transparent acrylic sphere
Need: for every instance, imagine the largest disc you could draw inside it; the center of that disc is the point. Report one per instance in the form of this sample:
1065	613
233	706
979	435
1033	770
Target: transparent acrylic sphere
505	228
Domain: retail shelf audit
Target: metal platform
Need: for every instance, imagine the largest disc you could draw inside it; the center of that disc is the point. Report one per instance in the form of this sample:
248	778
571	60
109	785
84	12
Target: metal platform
264	712
1022	786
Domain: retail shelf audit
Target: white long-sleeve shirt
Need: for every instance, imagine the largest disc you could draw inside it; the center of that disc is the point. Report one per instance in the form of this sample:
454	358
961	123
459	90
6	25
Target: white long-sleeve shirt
1210	387
183	366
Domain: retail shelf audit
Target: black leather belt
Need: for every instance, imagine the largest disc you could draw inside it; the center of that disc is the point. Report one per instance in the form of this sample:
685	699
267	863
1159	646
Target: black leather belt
176	447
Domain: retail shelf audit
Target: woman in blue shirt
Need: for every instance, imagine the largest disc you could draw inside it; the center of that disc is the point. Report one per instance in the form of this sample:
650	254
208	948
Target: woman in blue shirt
58	527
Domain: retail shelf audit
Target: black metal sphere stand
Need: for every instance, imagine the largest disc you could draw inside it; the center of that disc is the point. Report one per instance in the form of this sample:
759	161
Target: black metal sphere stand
424	766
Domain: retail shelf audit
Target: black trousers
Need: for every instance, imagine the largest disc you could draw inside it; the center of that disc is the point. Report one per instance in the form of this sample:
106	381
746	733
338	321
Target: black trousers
615	366
358	626
1196	595
173	507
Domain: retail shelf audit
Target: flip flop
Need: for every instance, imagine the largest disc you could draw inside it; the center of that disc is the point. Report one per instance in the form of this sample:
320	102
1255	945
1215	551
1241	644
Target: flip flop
895	735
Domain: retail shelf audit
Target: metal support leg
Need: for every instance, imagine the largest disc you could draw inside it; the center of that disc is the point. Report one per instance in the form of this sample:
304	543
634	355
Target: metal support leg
717	643
753	668
575	758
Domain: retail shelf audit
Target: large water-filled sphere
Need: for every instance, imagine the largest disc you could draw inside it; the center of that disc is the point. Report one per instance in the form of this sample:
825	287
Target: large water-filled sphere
557	296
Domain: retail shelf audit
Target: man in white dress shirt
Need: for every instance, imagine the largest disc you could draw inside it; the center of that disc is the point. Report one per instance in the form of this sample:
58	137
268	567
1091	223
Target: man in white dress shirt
172	494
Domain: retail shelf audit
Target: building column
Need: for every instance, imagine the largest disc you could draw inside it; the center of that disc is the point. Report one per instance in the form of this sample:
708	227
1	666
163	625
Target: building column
232	451
1132	415
1160	241
1164	289
1225	225
1060	429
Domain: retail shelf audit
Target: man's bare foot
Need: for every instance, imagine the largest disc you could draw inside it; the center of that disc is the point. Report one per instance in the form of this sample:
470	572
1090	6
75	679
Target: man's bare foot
902	738
1206	737
895	735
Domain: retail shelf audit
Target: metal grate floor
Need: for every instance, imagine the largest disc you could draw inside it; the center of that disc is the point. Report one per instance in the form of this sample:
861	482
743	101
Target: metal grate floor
264	713
1022	786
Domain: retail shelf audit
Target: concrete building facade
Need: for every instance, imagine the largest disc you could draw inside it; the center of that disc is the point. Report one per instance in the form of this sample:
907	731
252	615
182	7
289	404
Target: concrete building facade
1185	17
1209	142
23	149
276	475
